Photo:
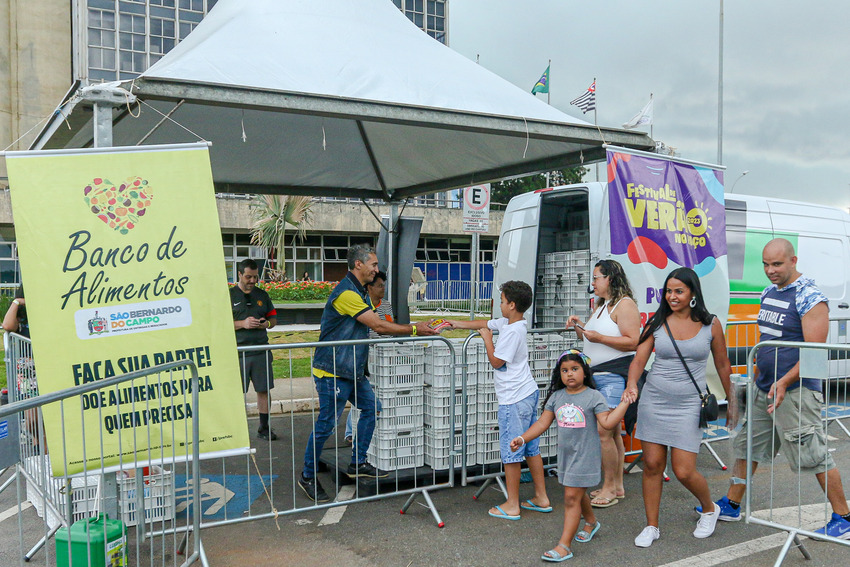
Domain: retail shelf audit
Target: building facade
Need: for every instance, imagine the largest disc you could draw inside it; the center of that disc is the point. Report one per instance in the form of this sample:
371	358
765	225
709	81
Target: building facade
50	45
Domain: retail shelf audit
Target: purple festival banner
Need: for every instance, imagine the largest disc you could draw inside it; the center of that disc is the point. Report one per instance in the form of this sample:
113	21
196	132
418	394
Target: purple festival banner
662	211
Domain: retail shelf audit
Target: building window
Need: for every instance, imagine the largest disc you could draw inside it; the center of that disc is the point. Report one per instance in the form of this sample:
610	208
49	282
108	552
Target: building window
125	37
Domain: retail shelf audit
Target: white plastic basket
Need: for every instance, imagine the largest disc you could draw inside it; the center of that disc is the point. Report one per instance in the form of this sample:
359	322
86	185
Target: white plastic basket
549	442
437	448
397	365
85	495
84	499
487	445
158	496
397	451
400	401
488	406
438	408
440	368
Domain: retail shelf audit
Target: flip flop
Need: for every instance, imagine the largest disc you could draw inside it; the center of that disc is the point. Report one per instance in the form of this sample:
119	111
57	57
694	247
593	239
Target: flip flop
529	505
584	536
602	502
598	491
502	514
555	557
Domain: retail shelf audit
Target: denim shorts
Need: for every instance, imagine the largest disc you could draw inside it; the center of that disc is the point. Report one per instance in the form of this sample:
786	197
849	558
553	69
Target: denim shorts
611	386
514	420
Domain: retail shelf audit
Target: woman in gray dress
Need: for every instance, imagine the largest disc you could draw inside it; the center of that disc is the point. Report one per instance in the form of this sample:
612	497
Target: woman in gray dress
668	414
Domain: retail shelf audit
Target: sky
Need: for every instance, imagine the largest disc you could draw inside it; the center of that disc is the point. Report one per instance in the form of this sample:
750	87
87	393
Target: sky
786	85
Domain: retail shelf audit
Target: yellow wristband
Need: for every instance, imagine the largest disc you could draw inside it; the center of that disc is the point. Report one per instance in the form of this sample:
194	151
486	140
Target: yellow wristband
412	330
16	302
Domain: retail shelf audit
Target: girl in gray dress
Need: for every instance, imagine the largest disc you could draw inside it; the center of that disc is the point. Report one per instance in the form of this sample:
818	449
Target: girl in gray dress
668	414
575	404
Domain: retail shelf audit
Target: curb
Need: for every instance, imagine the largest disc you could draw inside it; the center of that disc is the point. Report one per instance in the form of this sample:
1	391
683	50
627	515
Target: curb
279	407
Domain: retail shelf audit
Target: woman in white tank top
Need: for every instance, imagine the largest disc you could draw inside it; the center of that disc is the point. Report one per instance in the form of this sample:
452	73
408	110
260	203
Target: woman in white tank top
610	338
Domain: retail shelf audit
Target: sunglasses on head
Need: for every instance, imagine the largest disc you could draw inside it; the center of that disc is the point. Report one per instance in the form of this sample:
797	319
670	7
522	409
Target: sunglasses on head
584	358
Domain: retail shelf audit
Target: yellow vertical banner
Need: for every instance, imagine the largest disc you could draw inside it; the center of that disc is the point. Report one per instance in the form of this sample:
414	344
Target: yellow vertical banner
123	269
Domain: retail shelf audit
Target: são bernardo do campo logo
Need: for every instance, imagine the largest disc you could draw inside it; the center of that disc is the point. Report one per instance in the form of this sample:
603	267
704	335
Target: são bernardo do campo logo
133	318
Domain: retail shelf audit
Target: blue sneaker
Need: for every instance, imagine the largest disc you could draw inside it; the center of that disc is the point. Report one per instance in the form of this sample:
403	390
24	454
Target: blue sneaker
837	527
730	514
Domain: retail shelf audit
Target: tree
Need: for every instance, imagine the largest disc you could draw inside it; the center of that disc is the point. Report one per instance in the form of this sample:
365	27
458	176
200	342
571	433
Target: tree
271	215
504	191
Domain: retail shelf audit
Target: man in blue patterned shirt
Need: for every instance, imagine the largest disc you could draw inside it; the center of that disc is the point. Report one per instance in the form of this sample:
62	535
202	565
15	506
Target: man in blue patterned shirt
792	309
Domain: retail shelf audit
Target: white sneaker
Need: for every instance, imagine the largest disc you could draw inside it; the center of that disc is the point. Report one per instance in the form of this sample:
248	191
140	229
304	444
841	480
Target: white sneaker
707	522
647	536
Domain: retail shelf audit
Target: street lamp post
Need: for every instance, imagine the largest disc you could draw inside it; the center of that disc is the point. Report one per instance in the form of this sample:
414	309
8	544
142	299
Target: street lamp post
732	190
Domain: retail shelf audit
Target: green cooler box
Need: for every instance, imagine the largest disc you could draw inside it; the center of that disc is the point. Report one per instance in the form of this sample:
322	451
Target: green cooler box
87	538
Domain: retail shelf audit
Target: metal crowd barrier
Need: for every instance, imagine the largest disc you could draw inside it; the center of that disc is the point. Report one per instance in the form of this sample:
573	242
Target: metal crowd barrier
141	492
451	295
546	346
809	509
398	443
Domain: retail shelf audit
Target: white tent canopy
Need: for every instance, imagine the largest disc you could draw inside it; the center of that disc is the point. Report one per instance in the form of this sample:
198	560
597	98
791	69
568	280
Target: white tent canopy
338	98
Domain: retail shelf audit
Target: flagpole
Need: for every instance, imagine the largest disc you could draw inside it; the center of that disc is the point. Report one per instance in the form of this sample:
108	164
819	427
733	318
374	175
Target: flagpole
596	123
652	124
549	84
720	94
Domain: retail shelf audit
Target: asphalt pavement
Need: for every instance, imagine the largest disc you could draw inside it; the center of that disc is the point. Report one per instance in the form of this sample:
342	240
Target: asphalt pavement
373	533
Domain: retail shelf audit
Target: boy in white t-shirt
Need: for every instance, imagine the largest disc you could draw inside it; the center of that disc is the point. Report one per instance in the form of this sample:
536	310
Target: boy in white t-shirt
517	393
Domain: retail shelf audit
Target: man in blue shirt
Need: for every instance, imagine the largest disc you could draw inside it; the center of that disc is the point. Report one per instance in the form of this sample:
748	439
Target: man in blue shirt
792	309
340	371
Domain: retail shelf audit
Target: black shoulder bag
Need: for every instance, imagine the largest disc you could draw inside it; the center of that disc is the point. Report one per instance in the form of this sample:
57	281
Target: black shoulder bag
709	411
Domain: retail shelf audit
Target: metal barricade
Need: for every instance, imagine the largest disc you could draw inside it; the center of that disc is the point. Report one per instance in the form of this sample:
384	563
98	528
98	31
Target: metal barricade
451	296
139	490
807	510
545	345
741	336
398	443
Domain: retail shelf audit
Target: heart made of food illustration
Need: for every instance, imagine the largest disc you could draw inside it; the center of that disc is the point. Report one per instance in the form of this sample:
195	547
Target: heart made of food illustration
120	207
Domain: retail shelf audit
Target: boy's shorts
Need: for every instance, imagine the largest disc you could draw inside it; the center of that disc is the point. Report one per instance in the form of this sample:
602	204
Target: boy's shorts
514	420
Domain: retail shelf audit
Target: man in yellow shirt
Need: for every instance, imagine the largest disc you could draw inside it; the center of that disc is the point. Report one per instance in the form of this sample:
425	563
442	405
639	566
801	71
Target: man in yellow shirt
339	371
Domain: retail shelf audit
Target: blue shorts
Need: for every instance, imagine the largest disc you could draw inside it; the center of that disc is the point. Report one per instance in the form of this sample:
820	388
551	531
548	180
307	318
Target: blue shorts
611	386
514	420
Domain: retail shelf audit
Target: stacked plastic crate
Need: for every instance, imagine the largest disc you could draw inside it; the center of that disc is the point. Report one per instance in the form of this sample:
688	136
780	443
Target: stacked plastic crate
444	390
543	352
487	432
563	279
397	376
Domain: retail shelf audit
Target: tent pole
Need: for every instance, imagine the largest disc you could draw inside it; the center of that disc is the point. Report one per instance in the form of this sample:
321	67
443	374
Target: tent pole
392	235
104	101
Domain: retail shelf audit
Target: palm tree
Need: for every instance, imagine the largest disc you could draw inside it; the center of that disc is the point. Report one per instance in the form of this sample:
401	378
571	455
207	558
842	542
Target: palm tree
271	215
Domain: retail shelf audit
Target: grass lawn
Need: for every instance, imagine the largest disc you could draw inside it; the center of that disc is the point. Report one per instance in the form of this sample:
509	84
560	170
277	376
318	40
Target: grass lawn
291	362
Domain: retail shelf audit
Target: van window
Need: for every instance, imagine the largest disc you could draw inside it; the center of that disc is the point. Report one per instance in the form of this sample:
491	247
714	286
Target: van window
821	259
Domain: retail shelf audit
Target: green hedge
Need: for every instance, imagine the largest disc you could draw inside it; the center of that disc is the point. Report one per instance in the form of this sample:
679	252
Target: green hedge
5	301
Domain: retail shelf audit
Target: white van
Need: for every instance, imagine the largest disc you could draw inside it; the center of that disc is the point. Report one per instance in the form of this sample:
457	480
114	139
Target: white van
552	238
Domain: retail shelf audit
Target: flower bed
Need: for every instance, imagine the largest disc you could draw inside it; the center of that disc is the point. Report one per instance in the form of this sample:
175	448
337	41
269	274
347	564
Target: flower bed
297	291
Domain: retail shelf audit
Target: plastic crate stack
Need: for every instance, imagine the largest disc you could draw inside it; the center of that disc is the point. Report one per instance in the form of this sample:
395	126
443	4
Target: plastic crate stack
442	390
543	353
85	494
397	376
487	431
562	290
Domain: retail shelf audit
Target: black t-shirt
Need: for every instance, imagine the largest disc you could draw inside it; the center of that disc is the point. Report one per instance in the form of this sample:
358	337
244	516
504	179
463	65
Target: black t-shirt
23	323
255	304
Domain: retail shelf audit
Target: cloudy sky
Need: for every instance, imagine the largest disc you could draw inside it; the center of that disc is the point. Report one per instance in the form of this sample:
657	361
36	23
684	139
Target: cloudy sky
786	82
